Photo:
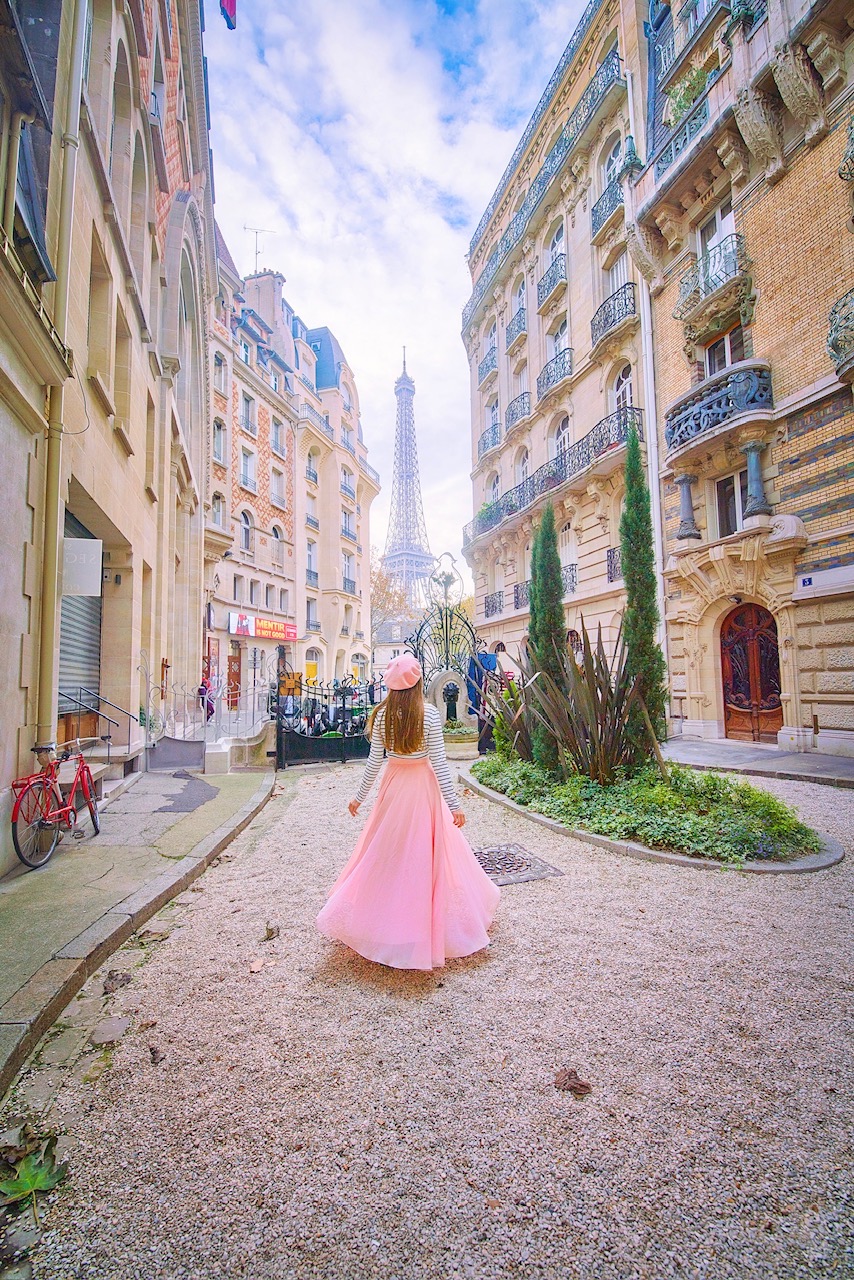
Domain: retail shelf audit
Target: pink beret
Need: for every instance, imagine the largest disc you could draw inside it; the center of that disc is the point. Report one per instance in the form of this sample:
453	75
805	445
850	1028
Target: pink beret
402	672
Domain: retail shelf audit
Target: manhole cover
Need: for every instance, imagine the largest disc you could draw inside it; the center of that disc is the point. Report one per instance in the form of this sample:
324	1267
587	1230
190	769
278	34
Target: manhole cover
512	864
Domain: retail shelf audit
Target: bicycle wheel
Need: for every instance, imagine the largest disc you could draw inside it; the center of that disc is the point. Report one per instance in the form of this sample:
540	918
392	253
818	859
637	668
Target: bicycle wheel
34	832
91	799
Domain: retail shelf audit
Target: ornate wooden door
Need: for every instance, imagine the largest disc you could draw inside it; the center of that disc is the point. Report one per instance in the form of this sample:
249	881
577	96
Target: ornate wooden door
750	664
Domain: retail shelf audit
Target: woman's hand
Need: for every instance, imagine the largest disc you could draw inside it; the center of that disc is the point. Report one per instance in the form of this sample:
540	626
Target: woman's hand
353	806
459	818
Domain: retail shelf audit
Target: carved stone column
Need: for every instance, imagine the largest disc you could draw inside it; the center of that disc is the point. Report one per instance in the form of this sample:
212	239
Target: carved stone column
687	523
757	504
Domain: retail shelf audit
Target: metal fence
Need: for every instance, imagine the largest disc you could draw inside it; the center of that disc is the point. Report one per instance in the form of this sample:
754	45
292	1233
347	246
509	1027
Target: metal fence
320	722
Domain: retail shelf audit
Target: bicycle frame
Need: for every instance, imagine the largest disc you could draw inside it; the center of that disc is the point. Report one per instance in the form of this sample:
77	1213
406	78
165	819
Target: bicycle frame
49	775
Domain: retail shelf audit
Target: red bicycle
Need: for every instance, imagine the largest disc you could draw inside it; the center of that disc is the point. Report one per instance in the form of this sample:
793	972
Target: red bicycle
40	813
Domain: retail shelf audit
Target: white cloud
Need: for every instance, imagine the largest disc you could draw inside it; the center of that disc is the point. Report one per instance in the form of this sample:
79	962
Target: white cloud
369	135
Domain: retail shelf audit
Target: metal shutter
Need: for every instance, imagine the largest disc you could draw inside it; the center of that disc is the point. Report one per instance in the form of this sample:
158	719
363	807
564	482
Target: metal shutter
79	635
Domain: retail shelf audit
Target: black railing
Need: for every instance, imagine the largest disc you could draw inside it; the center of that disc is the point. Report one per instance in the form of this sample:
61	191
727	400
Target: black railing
612	311
487	364
312	624
517	326
610	199
522	594
840	333
681	138
555	275
312	522
614	560
348	532
517	410
311	577
493	604
555	371
249	482
610	432
488	439
732	392
349	584
348	491
569	578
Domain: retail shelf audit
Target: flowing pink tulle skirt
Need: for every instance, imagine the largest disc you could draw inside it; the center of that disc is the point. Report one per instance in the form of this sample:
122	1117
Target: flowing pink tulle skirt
413	894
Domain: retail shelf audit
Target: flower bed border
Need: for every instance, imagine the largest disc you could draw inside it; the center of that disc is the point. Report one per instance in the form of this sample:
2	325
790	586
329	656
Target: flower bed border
832	852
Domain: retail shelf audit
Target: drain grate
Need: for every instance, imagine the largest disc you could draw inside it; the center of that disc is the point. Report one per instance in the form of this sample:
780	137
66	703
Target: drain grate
513	864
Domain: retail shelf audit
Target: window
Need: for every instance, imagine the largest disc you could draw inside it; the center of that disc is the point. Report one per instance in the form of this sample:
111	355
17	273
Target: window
219	441
269	598
730	501
562	437
559	339
238	588
395	653
718	252
347	437
274	381
522	464
310	550
494	491
347	526
622	389
492	412
611	166
566	544
247	470
247	532
555	248
522	379
277	438
219	373
725	351
311	613
247	414
283	600
277	488
519	297
347	483
218	510
618	275
278	548
254	591
245	352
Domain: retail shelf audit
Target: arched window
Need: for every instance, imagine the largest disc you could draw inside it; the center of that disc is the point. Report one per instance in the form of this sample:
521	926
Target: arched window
492	413
312	463
492	337
555	248
246	531
519	297
559	338
566	544
278	548
494	488
611	163
120	135
622	389
522	466
348	488
562	437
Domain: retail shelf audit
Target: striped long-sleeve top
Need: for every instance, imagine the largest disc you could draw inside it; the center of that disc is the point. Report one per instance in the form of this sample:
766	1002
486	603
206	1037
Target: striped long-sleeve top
434	747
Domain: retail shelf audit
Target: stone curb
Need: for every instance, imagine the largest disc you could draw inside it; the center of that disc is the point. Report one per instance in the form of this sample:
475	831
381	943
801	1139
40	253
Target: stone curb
832	853
35	1006
787	775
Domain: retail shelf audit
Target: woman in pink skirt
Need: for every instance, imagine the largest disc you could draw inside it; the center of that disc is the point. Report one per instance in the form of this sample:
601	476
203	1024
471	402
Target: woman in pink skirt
412	895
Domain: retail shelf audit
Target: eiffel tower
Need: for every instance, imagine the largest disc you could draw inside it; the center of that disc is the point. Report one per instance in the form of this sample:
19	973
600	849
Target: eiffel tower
407	559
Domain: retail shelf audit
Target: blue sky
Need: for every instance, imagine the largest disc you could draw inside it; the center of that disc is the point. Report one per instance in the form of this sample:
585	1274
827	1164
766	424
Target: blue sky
368	136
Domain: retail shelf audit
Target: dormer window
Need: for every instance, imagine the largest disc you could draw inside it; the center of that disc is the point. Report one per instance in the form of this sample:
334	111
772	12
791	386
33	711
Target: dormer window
245	352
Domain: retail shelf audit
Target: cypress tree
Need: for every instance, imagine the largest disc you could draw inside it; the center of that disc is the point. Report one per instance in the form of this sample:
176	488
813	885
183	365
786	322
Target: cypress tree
546	631
640	619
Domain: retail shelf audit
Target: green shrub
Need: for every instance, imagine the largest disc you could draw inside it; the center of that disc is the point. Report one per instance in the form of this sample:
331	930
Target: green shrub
705	815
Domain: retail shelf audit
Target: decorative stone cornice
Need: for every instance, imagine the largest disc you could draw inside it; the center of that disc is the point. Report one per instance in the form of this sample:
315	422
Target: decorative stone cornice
760	122
800	88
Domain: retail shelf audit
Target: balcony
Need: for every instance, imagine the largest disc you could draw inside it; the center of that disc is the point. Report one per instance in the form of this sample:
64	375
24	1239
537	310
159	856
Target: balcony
488	365
493	604
311	578
605	436
614	564
309	414
522	594
370	472
613	311
348	491
554	372
610	201
713	287
553	281
517	410
488	439
681	138
348	532
516	330
279	500
248	482
349	584
312	522
569	578
311	474
347	442
345	630
358	635
247	424
312	624
840	336
733	397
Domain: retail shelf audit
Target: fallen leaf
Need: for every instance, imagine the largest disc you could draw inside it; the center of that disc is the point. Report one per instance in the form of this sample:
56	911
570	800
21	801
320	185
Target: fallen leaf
568	1080
272	931
115	979
154	935
493	1204
255	966
147	1024
157	1054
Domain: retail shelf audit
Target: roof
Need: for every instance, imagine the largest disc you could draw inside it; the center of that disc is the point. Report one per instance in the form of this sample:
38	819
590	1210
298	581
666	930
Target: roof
330	357
222	253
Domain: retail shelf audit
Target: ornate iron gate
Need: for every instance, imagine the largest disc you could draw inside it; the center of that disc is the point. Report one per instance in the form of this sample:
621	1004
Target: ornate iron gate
320	722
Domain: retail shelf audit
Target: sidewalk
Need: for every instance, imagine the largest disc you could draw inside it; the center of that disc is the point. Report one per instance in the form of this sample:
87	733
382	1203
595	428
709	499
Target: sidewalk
764	761
59	923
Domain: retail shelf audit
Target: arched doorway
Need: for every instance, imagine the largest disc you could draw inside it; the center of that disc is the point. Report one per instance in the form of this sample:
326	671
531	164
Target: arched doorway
750	666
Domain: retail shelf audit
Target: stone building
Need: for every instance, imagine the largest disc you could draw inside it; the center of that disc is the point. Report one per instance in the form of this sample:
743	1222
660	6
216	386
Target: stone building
740	222
288	530
107	266
556	343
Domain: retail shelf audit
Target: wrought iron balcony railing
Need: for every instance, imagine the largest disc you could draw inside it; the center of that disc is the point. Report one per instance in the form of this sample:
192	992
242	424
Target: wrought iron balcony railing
311	474
569	578
517	410
348	443
614	562
347	531
358	635
554	372
349	584
606	75
312	522
487	365
610	199
846	169
278	500
728	394
517	326
681	138
665	52
311	577
488	439
348	491
312	624
840	334
613	310
522	594
369	471
308	412
723	262
247	424
249	482
607	434
493	604
555	276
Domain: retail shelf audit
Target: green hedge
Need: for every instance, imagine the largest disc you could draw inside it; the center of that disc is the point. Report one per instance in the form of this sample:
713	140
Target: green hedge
706	815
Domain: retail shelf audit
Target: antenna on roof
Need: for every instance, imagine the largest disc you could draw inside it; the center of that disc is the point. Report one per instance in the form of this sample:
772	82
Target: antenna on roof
258	231
404	359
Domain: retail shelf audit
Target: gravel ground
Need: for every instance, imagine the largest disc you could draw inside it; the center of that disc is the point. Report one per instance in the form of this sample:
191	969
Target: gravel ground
323	1117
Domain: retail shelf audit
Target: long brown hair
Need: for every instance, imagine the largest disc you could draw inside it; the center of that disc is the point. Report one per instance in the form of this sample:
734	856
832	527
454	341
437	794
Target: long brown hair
403	722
